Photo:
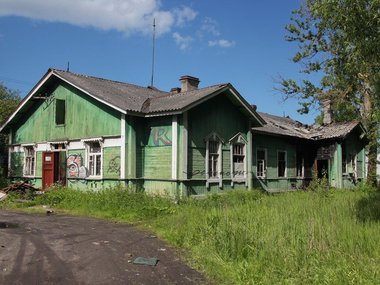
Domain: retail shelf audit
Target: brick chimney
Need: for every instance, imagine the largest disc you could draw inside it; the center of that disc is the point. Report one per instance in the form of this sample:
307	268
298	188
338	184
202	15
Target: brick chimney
327	111
189	83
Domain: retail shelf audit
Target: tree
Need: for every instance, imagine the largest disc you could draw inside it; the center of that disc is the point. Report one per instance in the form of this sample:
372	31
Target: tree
9	101
339	40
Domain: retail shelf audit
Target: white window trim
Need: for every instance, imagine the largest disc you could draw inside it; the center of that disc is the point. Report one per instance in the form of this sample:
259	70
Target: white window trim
238	139
265	162
87	147
286	164
24	146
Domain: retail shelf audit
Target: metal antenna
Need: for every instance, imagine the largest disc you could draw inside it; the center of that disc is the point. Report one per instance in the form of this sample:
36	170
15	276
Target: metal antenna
68	66
154	44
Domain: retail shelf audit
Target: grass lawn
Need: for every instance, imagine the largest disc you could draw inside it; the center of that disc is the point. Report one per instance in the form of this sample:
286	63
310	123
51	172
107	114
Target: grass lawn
314	237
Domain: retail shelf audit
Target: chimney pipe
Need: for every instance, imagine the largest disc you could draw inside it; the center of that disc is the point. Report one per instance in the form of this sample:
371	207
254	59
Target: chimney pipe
189	83
327	111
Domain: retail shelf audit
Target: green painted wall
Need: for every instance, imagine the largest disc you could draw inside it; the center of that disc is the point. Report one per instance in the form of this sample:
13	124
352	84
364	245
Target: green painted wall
217	115
154	148
85	117
272	145
111	162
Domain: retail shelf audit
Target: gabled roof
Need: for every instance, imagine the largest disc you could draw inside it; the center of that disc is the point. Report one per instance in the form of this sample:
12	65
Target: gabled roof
285	126
133	99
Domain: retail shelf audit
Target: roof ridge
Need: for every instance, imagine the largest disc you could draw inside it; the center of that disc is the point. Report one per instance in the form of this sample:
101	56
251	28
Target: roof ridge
108	80
186	92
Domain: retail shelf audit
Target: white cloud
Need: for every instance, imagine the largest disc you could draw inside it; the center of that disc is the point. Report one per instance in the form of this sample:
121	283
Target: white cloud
210	26
127	16
184	15
181	41
221	43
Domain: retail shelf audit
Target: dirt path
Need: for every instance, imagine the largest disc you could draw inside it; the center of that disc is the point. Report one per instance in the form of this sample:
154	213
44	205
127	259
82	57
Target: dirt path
55	249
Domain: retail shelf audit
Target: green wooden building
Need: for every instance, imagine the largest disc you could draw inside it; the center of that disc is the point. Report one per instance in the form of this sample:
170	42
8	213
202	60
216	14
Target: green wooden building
88	132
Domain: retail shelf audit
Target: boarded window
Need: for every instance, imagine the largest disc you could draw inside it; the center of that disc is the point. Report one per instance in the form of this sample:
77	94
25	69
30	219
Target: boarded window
281	163
29	161
238	157
60	112
95	159
261	163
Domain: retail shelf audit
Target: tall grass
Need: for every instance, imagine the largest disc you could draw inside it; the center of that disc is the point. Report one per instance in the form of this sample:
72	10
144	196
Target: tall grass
315	237
293	238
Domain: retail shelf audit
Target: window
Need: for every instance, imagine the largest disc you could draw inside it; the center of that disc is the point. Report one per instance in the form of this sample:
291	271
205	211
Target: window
344	160
299	164
60	110
94	159
213	158
29	160
261	170
238	157
281	163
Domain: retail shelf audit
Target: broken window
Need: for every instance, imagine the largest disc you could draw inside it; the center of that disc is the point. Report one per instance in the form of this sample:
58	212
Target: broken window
29	161
281	163
261	169
238	157
60	110
299	164
213	158
344	160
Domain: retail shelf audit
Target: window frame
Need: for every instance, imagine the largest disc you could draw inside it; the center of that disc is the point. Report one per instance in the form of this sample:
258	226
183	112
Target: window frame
214	137
265	160
242	155
93	156
285	164
60	119
300	157
29	169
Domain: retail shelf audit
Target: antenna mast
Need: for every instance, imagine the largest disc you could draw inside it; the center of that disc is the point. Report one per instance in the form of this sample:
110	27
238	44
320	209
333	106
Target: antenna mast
154	44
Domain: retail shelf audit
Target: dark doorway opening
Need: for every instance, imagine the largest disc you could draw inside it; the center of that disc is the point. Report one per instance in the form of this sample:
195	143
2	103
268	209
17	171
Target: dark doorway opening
323	168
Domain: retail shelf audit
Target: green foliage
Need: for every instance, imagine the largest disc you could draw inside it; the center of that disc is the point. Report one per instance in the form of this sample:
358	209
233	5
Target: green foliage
291	238
118	203
340	42
248	237
9	100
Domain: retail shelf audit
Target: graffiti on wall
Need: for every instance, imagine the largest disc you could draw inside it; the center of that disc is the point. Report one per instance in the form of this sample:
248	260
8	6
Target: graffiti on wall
75	168
160	136
114	165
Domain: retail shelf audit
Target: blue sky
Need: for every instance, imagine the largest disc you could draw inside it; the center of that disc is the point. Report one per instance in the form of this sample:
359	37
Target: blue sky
218	41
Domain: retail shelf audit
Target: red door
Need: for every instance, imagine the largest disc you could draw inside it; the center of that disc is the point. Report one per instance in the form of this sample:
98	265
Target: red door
47	169
53	168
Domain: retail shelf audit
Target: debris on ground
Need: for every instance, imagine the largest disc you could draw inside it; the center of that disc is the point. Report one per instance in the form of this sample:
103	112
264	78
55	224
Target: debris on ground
3	196
152	261
21	187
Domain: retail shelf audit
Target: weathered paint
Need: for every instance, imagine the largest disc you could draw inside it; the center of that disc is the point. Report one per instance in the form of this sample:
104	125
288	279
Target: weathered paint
111	163
85	117
273	145
219	116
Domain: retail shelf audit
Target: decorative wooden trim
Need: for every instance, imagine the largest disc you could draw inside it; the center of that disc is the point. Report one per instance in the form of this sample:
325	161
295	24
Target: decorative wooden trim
174	146
122	146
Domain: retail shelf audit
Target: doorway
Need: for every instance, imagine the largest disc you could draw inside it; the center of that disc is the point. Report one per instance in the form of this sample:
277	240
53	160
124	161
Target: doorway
323	168
53	168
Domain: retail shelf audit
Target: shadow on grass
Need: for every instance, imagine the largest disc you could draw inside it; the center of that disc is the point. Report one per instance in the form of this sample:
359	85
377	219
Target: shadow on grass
368	209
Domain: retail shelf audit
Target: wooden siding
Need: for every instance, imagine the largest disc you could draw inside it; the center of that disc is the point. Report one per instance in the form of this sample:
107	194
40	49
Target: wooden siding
156	148
84	117
220	116
111	162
